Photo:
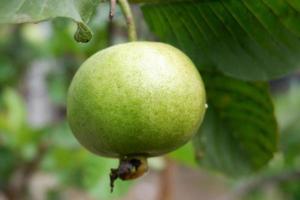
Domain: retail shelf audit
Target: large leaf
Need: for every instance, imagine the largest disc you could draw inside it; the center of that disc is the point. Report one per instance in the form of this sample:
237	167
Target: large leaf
13	111
250	40
20	11
239	134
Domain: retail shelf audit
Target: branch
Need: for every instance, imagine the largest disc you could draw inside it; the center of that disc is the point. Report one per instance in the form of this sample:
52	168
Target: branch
126	10
112	9
166	181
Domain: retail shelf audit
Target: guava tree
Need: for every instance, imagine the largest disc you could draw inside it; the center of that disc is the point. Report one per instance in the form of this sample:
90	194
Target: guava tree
238	46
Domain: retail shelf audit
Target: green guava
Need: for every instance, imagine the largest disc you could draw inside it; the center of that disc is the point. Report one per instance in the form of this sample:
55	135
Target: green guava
136	100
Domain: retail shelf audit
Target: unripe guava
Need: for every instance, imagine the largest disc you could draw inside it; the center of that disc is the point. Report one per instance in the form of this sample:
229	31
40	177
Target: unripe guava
136	99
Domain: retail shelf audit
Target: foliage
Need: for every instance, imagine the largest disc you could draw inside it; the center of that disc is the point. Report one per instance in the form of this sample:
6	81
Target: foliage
239	134
250	40
19	11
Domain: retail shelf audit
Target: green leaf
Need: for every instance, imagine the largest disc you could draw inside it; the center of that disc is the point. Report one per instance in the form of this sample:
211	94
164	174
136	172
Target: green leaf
249	40
83	33
20	11
239	134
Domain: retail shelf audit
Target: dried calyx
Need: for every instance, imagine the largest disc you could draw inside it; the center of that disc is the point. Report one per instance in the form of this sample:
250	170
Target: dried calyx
130	167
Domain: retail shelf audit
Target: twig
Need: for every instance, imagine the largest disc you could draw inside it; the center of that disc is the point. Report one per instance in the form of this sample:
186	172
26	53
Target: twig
112	9
126	10
166	181
111	28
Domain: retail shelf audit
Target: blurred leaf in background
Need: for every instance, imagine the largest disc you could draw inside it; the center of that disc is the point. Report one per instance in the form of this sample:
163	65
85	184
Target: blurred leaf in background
239	134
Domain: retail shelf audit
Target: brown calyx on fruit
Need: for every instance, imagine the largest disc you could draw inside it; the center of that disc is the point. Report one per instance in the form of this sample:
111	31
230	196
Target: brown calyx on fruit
130	167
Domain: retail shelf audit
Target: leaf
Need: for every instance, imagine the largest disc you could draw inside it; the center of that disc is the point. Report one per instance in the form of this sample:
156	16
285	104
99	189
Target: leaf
20	11
83	33
239	133
249	40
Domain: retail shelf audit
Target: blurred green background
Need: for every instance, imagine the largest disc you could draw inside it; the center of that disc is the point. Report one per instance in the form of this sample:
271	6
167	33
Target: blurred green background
40	159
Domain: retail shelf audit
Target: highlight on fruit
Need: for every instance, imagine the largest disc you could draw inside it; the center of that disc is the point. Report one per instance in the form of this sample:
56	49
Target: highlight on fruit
133	101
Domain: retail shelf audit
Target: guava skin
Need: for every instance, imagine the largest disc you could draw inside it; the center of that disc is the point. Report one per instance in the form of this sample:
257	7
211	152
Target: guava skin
137	98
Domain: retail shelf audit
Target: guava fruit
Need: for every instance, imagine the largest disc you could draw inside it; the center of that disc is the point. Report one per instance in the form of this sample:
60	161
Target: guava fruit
135	100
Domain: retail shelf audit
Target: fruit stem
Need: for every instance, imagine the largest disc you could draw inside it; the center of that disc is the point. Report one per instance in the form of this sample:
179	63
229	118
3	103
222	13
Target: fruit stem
127	13
130	167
